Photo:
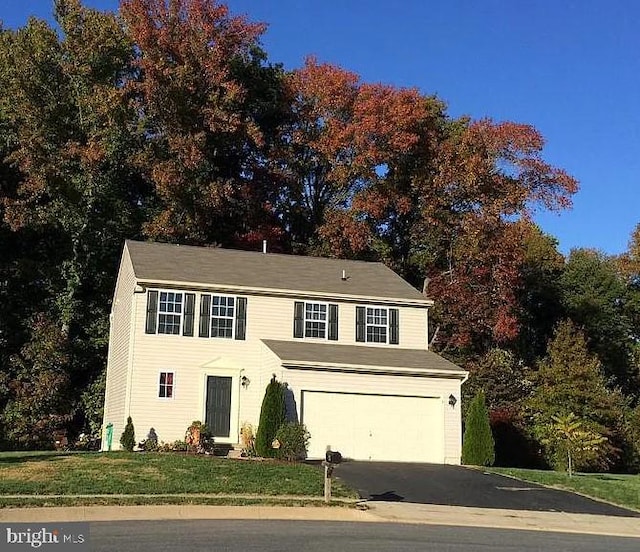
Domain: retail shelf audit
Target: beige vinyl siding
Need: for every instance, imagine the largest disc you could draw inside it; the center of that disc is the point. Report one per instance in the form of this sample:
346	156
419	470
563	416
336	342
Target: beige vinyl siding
118	358
440	388
192	359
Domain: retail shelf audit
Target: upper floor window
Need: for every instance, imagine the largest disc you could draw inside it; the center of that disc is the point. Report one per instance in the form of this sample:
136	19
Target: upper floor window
170	312
165	388
377	325
223	316
317	320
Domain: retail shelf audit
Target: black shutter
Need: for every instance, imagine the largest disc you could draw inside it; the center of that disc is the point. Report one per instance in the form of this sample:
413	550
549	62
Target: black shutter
298	319
361	314
205	315
152	312
333	322
394	326
241	317
189	312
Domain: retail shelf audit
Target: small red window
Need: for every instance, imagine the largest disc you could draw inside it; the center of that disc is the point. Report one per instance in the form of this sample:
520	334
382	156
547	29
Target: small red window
165	390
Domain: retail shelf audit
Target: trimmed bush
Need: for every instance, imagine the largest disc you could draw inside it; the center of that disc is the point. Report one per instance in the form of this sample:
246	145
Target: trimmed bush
293	439
128	437
478	447
150	444
272	416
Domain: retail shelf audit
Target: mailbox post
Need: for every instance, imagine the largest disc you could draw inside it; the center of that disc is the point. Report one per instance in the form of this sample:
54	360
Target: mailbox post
331	460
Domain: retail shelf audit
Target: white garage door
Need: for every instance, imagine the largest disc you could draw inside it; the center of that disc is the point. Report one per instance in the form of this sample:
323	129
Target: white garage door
374	427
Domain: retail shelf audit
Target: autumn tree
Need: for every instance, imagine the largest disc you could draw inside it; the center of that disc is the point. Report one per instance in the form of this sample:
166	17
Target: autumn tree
208	104
444	210
343	134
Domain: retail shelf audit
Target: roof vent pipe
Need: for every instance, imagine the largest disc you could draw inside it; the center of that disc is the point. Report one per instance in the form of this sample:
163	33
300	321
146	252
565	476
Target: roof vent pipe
344	275
264	246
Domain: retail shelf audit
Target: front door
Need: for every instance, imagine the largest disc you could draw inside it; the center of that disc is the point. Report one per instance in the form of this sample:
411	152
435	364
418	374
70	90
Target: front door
218	414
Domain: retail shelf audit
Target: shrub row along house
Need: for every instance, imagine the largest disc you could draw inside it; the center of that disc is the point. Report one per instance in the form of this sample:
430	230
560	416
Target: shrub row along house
197	333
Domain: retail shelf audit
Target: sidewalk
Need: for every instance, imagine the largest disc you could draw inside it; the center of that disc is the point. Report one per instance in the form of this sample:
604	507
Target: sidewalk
376	512
506	519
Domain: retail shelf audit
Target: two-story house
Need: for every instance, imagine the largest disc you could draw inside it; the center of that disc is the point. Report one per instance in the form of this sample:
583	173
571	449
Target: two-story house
197	333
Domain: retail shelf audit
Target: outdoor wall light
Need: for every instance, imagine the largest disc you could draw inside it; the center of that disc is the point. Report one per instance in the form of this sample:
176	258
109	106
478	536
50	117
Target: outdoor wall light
245	381
452	401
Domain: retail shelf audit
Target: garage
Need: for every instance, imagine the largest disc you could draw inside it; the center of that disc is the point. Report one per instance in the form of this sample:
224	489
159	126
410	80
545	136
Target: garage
374	427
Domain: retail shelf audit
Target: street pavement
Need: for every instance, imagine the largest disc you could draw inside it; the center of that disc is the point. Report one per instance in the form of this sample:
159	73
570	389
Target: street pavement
328	536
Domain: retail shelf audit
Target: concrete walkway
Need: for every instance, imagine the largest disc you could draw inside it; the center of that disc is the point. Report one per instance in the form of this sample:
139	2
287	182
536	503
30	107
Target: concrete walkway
375	512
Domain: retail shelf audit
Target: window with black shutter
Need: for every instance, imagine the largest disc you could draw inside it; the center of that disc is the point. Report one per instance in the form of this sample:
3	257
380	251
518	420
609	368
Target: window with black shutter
189	313
333	322
205	315
152	312
241	317
378	325
298	319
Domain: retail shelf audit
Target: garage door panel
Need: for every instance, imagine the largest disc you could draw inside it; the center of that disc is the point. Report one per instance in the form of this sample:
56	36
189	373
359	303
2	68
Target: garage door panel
374	427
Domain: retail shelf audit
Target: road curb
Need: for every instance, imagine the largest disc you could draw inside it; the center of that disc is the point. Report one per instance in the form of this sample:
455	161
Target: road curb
182	512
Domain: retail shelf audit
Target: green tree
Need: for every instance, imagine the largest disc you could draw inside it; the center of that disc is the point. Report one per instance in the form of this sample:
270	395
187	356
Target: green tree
69	188
571	438
570	380
595	297
128	437
539	295
477	443
272	416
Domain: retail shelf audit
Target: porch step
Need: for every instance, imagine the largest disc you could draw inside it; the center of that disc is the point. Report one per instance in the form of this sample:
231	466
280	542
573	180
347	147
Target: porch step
235	452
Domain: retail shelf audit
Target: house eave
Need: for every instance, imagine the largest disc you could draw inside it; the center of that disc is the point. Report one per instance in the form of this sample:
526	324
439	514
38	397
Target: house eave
369	369
297	294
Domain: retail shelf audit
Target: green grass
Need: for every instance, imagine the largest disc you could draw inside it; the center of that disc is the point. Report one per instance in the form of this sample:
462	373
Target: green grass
142	473
623	490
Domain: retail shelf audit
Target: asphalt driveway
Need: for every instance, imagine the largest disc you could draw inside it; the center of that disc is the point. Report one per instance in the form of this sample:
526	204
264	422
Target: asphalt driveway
459	486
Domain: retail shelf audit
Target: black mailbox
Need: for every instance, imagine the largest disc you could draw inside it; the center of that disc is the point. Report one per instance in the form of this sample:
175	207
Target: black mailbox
333	457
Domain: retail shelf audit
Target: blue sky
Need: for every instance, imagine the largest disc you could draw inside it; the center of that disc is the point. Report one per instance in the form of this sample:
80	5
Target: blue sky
570	68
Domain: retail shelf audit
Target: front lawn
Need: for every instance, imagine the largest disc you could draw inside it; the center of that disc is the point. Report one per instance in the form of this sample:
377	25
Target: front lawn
156	473
623	490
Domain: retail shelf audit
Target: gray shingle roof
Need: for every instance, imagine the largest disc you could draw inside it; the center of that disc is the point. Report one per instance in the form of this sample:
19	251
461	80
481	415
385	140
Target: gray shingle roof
305	353
160	262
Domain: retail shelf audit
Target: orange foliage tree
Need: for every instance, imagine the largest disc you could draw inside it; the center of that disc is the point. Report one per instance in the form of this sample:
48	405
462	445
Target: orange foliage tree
201	92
